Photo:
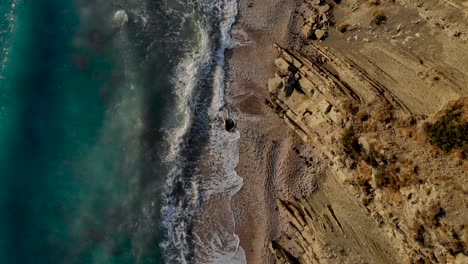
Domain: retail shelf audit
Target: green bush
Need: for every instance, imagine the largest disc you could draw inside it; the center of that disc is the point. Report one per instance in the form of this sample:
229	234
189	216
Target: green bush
449	132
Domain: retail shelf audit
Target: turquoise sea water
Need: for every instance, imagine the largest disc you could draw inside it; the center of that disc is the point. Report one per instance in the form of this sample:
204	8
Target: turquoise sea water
81	108
102	129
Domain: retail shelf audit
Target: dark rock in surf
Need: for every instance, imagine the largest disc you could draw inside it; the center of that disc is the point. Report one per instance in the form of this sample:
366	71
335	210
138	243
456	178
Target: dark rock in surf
230	125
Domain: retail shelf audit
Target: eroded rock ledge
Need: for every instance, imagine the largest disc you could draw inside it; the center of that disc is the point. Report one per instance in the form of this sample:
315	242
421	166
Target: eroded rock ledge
388	195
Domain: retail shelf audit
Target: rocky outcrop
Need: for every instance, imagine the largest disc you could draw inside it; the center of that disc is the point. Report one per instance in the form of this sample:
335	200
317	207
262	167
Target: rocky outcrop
317	18
317	104
376	149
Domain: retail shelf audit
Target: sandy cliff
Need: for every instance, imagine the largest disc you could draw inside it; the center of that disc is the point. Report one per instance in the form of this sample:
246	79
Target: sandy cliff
379	90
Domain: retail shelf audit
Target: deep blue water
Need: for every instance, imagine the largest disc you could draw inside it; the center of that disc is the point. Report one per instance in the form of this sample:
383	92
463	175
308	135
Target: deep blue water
82	105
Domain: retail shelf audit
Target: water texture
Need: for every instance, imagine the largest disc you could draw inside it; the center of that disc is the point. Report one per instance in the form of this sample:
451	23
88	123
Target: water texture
103	125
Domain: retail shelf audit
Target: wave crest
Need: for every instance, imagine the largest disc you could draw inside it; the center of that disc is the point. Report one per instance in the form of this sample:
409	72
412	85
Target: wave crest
197	216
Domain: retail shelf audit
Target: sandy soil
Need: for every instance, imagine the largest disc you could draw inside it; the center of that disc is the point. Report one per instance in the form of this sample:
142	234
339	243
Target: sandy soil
271	157
417	59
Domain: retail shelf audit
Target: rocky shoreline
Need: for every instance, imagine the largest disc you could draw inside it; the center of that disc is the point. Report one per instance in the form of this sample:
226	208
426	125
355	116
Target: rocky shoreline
361	84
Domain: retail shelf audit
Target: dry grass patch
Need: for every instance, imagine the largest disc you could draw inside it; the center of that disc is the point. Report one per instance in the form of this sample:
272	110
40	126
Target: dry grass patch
343	27
378	17
450	131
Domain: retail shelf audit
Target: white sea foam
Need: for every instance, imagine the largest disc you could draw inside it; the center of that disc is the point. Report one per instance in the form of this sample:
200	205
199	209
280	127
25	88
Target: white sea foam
6	34
120	18
213	240
185	80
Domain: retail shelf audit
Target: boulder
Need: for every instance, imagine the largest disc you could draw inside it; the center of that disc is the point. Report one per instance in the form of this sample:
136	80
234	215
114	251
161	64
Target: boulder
275	84
306	31
307	86
282	66
311	18
324	19
336	117
319	33
323	9
230	125
324	106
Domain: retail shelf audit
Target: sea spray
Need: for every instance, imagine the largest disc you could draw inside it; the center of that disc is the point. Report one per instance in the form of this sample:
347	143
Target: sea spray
7	27
197	217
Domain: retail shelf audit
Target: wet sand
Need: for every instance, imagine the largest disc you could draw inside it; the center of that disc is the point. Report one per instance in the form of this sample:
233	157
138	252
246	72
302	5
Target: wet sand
268	161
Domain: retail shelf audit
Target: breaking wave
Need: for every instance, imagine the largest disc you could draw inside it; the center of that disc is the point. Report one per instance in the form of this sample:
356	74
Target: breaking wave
196	216
7	27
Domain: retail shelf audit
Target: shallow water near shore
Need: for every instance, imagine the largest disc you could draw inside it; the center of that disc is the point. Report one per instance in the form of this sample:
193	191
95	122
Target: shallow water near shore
103	127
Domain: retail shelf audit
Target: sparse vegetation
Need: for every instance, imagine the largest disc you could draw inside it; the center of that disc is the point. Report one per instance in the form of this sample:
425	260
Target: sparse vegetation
380	176
373	2
378	17
383	112
350	107
350	141
371	157
450	131
362	116
343	27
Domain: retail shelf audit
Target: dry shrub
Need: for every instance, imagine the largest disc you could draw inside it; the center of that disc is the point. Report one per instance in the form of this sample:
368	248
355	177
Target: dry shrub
406	133
405	122
363	175
432	215
350	141
362	116
343	27
383	113
450	131
365	200
381	177
378	17
369	127
459	154
350	107
393	195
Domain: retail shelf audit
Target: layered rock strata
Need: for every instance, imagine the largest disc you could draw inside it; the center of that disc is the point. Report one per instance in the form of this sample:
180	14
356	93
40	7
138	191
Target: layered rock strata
377	154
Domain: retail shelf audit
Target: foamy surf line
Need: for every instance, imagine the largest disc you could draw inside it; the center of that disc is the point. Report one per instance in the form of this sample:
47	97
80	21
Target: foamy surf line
5	33
197	216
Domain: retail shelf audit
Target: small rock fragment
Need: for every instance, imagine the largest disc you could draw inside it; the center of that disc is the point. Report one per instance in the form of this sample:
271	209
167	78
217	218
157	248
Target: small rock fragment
324	18
282	66
319	33
398	28
274	84
306	31
323	9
